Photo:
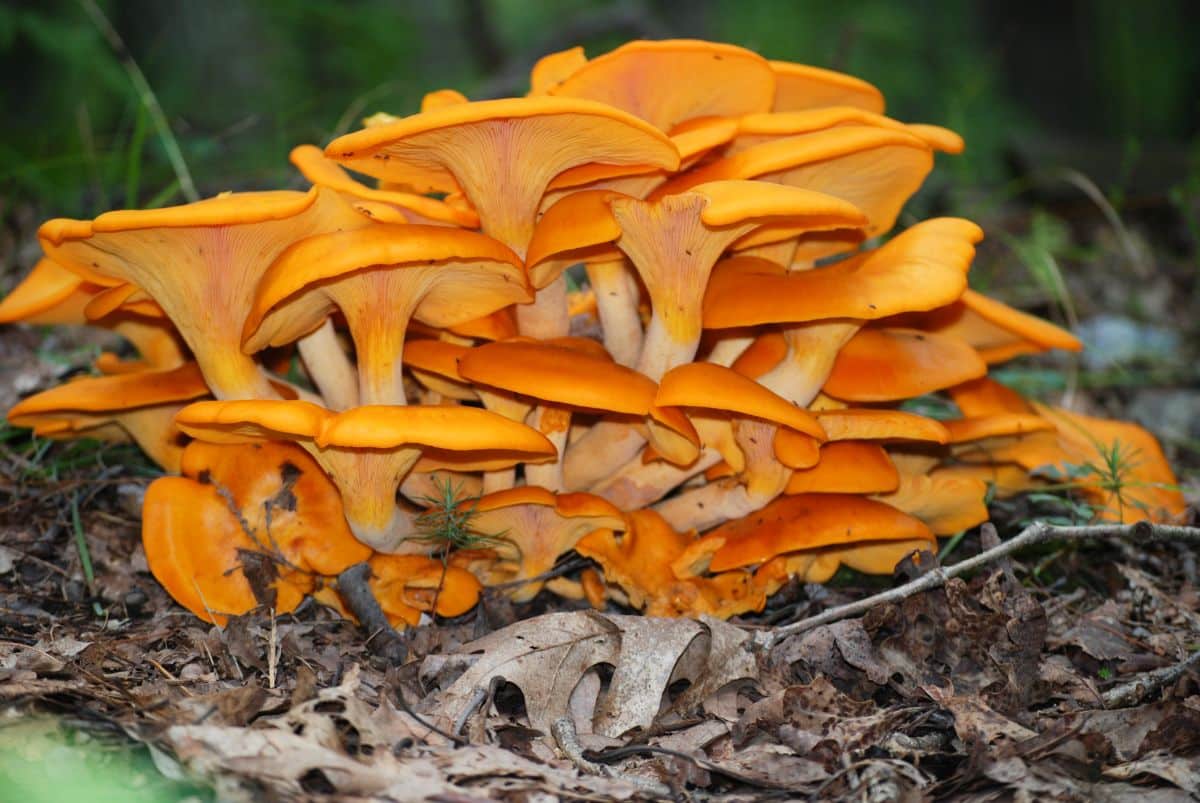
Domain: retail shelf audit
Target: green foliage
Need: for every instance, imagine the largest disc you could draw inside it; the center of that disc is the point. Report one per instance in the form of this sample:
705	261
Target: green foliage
448	520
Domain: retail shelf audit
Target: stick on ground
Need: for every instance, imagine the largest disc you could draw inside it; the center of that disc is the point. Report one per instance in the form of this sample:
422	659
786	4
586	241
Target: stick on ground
352	585
1033	534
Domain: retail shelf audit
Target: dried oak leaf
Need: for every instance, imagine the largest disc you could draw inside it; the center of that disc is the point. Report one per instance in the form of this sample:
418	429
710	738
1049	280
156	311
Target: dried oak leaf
546	657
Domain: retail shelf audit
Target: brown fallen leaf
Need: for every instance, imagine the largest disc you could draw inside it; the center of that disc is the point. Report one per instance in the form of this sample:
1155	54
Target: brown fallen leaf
546	658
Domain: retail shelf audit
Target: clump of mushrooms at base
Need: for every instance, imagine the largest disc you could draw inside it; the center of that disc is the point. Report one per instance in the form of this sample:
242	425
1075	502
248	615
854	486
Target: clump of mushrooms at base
656	313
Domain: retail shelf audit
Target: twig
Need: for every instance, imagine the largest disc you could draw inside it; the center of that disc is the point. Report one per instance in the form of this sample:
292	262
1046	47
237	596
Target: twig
352	585
147	97
1134	691
567	739
1035	533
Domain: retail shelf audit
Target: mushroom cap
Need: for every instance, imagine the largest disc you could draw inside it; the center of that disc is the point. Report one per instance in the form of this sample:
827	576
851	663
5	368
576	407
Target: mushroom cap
872	424
805	521
849	467
47	285
1148	487
923	268
318	168
764	353
503	153
991	426
552	68
557	374
756	128
305	522
713	386
105	394
442	97
801	86
892	364
405	585
671	81
282	311
987	397
947	502
200	263
194	548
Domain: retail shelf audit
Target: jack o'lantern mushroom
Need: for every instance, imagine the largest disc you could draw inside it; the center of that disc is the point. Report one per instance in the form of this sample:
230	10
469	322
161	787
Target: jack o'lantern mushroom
236	504
503	154
673	244
141	405
367	451
802	86
532	527
51	294
200	263
380	279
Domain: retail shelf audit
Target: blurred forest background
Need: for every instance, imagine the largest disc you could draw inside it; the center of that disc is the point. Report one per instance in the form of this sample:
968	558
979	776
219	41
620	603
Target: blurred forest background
1082	122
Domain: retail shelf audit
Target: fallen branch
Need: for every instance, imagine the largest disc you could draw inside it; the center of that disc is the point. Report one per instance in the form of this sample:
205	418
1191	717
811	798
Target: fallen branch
1036	533
356	593
1134	691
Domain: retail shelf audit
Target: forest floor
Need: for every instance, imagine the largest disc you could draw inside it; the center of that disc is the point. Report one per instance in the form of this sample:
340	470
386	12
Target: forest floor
1011	683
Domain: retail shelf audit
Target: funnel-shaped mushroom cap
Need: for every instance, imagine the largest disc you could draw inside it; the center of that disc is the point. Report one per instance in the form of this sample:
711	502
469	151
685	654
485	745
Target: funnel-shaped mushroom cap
504	153
321	170
380	278
871	424
200	263
557	374
996	330
536	527
713	386
435	365
921	269
805	521
875	169
947	502
674	243
669	82
1146	487
891	364
142	404
800	86
754	129
847	467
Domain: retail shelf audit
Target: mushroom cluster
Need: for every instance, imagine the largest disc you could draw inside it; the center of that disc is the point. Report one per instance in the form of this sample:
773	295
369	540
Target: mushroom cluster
718	407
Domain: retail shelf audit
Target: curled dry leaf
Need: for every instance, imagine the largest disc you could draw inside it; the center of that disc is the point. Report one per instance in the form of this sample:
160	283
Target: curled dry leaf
546	658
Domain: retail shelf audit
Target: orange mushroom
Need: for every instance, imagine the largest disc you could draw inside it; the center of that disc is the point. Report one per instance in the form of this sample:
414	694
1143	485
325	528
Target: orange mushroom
379	279
200	263
532	527
367	451
801	86
141	405
268	500
503	155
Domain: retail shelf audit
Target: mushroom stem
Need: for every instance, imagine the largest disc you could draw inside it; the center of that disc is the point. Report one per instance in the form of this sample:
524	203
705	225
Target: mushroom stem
616	302
709	505
555	424
605	447
380	344
499	480
547	316
329	367
661	352
812	350
639	484
233	375
728	349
